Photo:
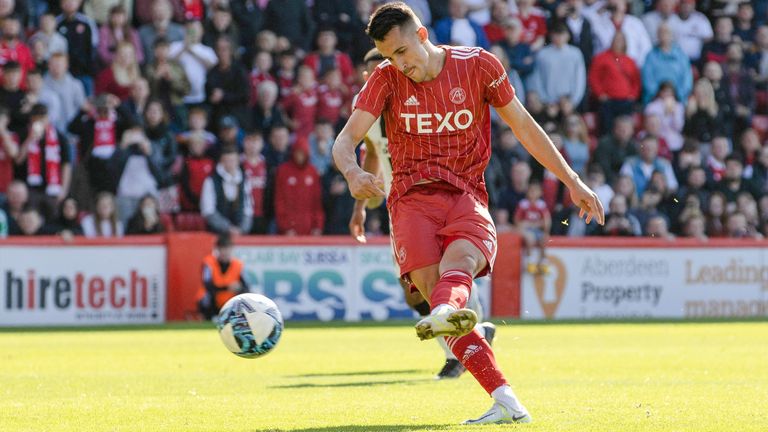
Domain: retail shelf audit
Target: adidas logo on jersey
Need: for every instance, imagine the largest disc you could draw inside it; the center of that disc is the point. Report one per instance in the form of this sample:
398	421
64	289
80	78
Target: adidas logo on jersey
412	101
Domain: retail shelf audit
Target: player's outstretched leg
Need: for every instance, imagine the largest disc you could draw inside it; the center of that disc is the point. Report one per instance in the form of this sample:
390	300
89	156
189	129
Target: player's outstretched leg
449	315
477	356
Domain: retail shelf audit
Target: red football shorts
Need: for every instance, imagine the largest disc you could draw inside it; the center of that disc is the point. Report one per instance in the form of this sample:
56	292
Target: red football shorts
431	216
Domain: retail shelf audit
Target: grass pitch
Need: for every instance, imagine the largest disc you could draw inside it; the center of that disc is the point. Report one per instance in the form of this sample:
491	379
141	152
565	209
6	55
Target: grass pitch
582	377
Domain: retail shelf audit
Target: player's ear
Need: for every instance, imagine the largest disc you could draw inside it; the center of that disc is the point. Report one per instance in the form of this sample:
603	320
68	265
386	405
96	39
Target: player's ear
423	34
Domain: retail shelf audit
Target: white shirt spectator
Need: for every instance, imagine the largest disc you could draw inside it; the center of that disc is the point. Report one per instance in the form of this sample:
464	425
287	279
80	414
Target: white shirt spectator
89	228
230	187
195	69
692	33
638	42
652	20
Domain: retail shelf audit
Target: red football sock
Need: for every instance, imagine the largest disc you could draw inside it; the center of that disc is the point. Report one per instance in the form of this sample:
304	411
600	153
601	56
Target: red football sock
476	355
452	289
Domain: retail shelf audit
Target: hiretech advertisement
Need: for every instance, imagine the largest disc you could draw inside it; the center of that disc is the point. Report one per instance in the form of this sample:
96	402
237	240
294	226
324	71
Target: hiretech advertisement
102	285
599	282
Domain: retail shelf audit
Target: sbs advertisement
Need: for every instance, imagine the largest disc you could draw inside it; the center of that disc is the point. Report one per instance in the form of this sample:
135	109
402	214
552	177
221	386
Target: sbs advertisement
678	282
82	285
350	283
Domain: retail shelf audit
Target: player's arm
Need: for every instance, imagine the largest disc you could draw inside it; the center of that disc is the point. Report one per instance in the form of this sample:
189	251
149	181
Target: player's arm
538	144
357	219
362	184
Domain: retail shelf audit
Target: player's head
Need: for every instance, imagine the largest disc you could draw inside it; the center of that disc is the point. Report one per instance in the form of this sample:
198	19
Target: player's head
400	37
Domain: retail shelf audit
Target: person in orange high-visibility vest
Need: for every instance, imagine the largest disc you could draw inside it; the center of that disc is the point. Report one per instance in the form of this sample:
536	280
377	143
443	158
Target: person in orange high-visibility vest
222	278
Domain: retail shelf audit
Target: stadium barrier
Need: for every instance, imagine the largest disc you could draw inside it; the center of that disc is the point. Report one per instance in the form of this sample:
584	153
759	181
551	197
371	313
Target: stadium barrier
152	279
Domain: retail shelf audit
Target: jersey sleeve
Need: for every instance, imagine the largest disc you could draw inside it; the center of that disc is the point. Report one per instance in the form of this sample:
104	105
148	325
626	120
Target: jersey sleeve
375	94
498	89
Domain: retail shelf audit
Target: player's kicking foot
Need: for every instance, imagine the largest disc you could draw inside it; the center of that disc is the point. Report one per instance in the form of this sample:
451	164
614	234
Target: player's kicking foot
499	414
449	323
451	369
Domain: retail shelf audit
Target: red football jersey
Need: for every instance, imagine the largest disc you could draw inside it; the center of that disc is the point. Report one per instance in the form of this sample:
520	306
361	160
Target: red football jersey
439	129
531	212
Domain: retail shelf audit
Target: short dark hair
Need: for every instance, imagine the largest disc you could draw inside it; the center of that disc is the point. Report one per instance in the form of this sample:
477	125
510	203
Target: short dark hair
390	15
228	149
38	110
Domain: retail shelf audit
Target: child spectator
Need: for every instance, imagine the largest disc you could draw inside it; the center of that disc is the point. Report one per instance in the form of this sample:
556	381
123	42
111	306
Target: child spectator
198	165
68	222
671	115
533	220
301	104
198	122
320	143
146	219
104	221
260	72
333	96
48	38
286	72
716	212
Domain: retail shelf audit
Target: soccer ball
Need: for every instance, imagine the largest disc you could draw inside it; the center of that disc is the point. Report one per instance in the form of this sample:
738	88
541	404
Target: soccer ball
250	325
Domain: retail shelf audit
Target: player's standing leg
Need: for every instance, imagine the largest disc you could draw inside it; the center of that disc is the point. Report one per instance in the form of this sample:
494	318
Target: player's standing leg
448	295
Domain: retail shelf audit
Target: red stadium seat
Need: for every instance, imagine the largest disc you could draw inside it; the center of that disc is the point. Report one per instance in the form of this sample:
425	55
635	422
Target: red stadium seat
190	222
761	101
167	222
760	124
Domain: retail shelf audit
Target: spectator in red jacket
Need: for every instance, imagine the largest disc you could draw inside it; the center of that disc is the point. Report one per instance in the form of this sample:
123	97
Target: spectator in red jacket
301	104
198	165
327	57
298	195
333	97
119	78
615	81
13	49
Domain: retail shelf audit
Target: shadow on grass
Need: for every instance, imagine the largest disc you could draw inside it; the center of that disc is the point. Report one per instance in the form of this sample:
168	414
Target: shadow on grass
352	384
363	428
357	373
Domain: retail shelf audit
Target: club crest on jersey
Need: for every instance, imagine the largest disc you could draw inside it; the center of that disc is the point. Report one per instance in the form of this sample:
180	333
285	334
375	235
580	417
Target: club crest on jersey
436	122
457	95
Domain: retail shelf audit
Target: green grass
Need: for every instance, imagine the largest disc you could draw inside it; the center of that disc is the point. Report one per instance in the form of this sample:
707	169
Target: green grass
572	377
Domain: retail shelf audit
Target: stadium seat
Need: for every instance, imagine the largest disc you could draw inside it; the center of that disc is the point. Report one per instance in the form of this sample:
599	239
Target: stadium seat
167	221
760	124
190	222
761	101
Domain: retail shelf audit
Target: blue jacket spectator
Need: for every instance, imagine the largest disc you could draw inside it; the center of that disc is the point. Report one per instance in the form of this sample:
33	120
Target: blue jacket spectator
460	30
666	62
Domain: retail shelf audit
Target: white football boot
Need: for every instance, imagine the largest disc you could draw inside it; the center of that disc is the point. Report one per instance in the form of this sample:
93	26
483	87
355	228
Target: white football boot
451	322
499	414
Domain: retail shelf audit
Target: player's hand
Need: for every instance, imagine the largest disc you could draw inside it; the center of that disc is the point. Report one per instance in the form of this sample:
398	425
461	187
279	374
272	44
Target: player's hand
588	202
364	185
357	223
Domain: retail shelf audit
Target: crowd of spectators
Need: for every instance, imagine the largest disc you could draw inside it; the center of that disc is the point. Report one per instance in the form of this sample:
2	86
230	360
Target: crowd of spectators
122	117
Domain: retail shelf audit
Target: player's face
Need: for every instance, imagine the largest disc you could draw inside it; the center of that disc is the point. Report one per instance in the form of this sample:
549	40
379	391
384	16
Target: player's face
403	47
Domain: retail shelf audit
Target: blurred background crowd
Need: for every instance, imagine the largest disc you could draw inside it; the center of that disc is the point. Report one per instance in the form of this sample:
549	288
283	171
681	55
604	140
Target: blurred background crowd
123	117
